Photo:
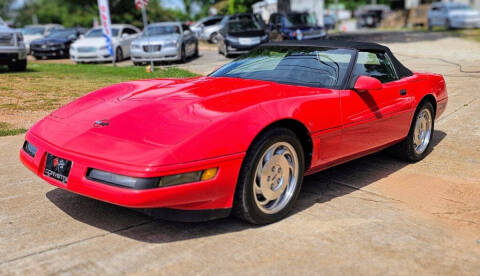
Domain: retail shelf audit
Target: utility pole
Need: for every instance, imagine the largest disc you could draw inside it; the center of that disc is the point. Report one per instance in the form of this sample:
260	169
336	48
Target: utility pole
145	24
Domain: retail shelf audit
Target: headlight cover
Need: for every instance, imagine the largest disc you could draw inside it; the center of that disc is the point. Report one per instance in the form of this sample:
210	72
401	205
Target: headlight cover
138	183
103	47
135	46
169	44
29	148
232	39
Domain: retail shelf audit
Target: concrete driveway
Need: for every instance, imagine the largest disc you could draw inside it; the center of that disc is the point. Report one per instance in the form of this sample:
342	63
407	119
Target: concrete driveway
372	216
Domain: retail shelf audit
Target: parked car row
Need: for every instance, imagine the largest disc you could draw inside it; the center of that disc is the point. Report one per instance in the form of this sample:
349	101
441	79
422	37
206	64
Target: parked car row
241	33
167	41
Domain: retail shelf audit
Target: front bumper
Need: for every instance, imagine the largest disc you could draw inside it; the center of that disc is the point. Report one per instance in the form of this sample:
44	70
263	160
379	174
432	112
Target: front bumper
9	55
49	52
205	195
165	54
237	48
97	56
465	23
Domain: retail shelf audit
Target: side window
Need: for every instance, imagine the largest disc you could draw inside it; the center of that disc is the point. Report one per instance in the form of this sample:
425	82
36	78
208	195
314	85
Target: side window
278	19
129	31
211	22
376	65
185	28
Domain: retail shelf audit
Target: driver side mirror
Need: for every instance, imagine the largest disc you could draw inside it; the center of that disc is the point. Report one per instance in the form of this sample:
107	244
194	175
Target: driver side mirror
124	35
365	83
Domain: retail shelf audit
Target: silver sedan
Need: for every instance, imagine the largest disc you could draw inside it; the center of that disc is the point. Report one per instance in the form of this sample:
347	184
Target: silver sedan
168	41
453	15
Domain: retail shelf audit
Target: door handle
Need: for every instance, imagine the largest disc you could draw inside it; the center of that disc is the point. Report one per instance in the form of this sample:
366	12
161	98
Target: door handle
403	92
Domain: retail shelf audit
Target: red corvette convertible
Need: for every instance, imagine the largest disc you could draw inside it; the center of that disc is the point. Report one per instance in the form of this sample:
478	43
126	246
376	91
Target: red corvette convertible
241	139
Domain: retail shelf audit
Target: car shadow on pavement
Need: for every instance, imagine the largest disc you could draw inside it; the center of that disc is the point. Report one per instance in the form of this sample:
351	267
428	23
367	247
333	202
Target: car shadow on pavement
318	188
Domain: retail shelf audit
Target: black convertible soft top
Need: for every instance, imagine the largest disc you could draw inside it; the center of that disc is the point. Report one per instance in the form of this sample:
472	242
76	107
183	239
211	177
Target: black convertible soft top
402	71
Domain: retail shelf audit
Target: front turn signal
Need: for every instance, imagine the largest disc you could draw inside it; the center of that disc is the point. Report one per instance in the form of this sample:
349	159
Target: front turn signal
209	174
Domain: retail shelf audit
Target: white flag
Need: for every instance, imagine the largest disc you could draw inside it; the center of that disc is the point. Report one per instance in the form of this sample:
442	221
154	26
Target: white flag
106	23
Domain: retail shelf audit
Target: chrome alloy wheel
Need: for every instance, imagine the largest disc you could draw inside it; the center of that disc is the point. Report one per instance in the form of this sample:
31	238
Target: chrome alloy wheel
276	178
423	131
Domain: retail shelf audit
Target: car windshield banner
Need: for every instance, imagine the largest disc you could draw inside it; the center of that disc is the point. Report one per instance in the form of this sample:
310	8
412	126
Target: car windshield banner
106	23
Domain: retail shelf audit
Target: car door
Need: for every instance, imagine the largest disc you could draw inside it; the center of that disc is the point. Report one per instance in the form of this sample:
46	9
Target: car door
378	117
128	35
189	40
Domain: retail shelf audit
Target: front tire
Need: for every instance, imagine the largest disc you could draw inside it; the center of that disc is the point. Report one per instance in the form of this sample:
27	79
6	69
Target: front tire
429	25
418	142
213	38
183	54
270	178
118	54
19	66
196	53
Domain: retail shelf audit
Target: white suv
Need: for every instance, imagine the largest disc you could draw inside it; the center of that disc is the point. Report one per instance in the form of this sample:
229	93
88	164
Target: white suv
12	49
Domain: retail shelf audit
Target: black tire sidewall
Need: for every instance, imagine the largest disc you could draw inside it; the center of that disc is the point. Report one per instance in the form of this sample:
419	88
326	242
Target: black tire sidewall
183	54
118	54
246	181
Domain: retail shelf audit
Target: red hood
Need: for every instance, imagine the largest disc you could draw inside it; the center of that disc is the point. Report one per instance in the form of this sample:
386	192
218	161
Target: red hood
148	119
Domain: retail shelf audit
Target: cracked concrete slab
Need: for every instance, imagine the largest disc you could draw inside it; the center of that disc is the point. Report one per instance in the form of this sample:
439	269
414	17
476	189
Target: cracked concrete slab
375	215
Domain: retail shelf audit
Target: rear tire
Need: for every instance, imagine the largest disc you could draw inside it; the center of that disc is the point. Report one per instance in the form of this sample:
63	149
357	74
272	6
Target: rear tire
270	177
418	142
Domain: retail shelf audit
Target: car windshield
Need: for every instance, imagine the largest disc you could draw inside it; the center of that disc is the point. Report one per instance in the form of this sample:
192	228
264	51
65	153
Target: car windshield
459	7
243	26
161	30
305	66
33	31
99	33
62	34
299	19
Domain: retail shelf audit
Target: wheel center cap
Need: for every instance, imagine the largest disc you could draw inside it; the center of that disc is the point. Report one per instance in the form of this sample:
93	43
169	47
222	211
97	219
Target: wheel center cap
273	178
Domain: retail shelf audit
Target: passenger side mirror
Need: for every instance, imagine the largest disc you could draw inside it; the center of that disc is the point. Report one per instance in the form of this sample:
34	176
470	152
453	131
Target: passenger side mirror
365	83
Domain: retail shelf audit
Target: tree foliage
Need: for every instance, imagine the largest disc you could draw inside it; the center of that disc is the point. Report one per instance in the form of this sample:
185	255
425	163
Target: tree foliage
82	12
239	6
354	4
5	8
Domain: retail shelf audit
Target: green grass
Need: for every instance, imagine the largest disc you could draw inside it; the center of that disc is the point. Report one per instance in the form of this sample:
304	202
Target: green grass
6	130
45	87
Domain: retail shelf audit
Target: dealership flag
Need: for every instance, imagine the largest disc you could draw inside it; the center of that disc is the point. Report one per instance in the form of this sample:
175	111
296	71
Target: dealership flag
141	3
106	24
